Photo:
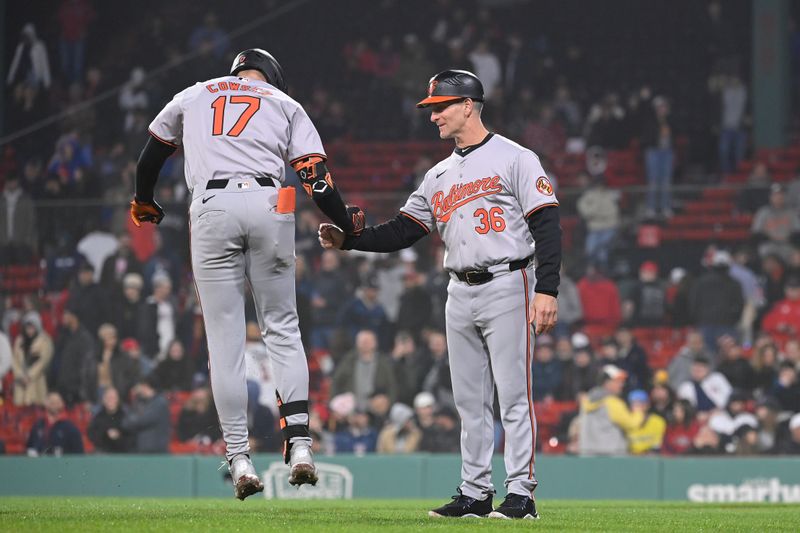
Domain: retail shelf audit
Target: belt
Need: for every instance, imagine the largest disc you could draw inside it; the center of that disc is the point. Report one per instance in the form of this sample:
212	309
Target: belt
483	275
221	184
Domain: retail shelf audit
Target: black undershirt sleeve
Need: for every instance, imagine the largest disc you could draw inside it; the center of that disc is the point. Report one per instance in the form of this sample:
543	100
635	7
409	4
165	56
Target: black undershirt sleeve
546	229
333	206
152	158
400	232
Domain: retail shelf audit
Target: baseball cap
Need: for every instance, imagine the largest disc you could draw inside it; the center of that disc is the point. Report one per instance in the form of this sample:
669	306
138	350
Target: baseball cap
579	340
424	399
129	344
614	372
649	266
638	396
794	422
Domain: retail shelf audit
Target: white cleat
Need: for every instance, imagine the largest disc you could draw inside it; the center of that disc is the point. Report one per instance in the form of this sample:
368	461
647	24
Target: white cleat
301	463
245	480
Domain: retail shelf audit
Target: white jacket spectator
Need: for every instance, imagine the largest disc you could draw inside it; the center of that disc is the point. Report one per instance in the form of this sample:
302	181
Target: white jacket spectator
5	357
487	68
705	390
39	73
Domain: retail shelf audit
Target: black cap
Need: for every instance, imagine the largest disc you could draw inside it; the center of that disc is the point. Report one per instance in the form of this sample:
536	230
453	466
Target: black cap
262	61
451	85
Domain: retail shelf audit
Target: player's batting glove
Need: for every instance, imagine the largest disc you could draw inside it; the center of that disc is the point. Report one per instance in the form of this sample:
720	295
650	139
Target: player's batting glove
358	217
146	212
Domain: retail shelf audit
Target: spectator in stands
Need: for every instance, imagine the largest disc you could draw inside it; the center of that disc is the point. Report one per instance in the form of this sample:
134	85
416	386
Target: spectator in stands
648	436
774	272
330	290
567	110
486	66
444	435
545	135
363	371
75	363
115	369
791	352
209	39
756	191
409	366
364	312
30	69
198	418
705	390
415	309
118	265
751	292
716	301
547	370
160	317
33	353
127	309
646	304
734	367
787	387
706	442
604	417
148	420
776	224
358	436
598	206
632	358
599	300
54	434
18	236
175	371
765	364
682	429
580	375
378	409
658	141
400	434
570	310
767	412
69	163
728	420
791	444
74	17
661	395
141	363
88	299
605	123
6	356
782	322
732	135
437	379
105	430
678	293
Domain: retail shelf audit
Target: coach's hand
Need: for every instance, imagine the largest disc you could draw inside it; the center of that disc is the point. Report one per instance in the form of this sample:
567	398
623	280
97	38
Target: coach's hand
330	236
544	313
146	212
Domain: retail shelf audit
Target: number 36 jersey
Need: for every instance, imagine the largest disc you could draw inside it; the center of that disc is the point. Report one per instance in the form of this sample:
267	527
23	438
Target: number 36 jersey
479	199
236	127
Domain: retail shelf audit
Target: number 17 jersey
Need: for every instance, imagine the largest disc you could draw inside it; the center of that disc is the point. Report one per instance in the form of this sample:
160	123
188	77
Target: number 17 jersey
479	199
236	127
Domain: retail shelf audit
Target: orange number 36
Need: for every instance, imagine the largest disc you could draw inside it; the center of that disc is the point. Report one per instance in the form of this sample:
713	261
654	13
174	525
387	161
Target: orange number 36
490	220
218	105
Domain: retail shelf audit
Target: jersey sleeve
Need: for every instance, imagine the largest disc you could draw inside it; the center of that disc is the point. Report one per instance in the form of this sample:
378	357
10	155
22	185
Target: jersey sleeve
167	127
418	209
530	184
303	138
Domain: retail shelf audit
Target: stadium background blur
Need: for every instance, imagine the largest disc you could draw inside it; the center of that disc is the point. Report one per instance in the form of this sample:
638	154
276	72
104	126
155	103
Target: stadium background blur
695	294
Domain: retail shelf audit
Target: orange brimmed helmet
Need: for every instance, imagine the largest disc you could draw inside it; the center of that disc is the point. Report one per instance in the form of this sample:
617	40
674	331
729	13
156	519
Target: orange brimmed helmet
452	85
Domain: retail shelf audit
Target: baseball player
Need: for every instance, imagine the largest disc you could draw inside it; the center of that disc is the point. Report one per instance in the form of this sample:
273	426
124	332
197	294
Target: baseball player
237	133
491	201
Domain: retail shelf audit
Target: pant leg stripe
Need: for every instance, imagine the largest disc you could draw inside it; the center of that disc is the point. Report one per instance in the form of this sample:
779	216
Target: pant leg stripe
528	375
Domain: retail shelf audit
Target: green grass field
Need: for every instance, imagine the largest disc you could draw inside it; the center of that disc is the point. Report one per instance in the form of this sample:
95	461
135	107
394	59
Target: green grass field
256	515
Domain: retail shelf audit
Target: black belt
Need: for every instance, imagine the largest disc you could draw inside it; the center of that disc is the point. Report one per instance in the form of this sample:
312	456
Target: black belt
221	184
479	277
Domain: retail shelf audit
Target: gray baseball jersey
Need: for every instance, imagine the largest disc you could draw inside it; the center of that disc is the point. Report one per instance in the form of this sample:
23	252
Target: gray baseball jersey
232	127
479	202
235	131
479	199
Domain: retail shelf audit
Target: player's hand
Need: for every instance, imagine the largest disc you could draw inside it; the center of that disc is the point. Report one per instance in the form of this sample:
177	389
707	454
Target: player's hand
330	236
544	313
146	212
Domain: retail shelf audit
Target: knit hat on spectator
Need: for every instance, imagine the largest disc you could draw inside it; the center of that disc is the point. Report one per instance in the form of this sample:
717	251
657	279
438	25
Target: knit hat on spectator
129	344
343	404
661	377
579	340
399	414
424	399
32	318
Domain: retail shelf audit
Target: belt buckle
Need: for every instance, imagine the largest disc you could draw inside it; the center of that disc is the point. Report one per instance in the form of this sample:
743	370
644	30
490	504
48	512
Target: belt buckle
477	273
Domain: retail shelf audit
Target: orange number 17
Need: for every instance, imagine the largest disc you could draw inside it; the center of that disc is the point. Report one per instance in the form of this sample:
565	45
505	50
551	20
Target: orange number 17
218	105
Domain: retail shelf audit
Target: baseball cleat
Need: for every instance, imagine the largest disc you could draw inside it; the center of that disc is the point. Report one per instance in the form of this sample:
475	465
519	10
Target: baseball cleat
516	506
245	480
463	507
301	463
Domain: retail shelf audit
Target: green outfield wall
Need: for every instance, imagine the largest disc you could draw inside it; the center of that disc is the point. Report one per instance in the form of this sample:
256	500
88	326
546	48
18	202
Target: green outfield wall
772	480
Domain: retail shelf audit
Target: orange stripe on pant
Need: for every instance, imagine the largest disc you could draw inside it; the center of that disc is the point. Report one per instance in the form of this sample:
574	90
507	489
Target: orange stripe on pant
529	377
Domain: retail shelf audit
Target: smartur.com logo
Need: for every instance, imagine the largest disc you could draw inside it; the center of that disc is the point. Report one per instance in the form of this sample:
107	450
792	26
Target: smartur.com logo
750	490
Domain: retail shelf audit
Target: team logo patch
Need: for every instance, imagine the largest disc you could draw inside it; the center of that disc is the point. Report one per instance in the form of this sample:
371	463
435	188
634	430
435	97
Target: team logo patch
242	59
432	87
543	186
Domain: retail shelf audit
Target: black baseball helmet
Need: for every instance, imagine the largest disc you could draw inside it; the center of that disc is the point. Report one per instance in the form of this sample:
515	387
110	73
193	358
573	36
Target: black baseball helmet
450	85
262	61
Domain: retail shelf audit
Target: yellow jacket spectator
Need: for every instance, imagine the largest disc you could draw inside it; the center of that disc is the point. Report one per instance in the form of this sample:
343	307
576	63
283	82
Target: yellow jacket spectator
605	418
648	436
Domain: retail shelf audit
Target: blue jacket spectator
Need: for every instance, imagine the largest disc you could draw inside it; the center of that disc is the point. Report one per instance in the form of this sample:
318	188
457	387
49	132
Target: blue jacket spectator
54	434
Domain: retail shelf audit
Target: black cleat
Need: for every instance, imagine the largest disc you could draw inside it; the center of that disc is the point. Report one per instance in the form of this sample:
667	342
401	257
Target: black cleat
463	507
516	506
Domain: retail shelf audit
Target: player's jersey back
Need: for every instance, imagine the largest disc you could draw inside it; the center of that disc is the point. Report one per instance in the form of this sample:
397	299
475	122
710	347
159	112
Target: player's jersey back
236	127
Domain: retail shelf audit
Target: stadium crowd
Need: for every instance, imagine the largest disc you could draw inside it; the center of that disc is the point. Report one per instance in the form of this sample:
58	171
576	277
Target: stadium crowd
107	352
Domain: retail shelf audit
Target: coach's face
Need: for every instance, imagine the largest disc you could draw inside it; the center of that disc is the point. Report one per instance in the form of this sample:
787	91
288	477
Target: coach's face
450	117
